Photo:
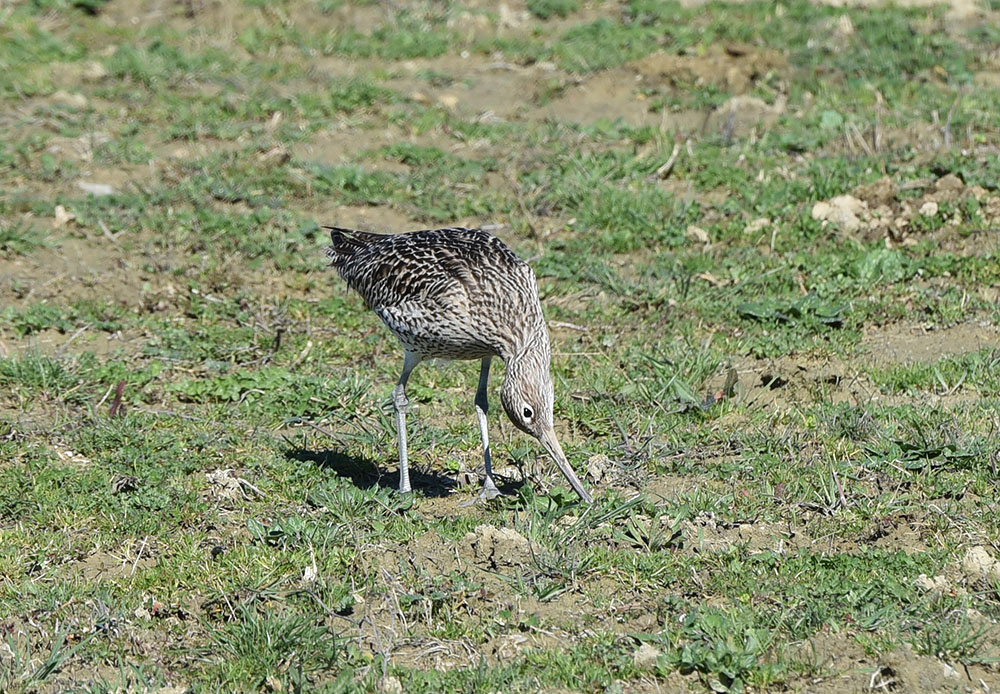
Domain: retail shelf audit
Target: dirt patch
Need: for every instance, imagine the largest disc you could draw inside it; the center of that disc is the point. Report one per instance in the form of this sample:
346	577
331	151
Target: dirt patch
635	93
852	670
509	646
976	569
906	671
674	682
957	9
608	95
838	654
339	145
79	268
884	210
799	378
668	487
83	339
103	566
497	548
908	343
474	87
732	67
418	572
705	534
742	115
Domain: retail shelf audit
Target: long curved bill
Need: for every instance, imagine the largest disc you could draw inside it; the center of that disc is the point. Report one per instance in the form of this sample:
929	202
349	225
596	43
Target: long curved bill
548	439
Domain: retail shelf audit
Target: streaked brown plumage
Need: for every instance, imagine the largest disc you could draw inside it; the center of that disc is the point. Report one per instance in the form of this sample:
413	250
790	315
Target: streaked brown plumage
458	293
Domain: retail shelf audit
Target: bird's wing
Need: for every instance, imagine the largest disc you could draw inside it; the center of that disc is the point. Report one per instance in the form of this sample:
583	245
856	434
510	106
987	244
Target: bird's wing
403	318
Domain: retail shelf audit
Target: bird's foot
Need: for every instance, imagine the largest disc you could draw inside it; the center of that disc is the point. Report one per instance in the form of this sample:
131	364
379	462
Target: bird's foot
487	493
489	490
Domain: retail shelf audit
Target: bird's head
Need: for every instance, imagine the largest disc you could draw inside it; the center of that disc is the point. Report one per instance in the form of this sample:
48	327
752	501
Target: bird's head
527	398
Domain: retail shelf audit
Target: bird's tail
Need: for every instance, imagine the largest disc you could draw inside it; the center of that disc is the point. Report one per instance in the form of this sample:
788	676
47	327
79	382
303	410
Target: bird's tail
344	243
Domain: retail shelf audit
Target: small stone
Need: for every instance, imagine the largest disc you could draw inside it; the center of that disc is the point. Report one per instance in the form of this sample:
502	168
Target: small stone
568	521
938	585
309	575
842	211
850	203
276	155
449	101
949	182
696	234
62	217
597	467
93	72
512	18
929	209
646	622
72	99
96	189
497	547
979	565
742	114
881	192
757	225
646	656
844	27
391	685
978	192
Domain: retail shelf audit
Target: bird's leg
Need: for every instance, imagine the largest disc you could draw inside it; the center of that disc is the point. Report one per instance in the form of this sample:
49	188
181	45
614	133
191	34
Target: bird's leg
490	490
402	405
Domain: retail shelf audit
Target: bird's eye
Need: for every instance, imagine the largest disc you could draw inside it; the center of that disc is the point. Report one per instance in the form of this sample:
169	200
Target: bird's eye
528	414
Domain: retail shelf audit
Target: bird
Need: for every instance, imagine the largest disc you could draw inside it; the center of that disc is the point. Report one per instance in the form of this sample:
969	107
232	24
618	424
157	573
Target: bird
459	293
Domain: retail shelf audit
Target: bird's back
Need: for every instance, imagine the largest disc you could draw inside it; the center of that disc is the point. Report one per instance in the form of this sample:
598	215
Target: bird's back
453	293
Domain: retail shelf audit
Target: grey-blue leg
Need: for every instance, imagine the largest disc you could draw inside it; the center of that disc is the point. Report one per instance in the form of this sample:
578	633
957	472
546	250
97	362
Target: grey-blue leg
402	405
490	490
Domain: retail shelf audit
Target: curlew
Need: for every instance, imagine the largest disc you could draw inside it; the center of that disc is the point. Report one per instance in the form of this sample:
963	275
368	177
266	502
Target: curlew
459	294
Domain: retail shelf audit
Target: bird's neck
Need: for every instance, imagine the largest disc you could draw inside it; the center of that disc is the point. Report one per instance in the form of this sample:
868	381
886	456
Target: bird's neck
531	352
524	336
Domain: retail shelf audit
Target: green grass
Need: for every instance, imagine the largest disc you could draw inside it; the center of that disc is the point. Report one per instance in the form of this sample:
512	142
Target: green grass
197	454
544	9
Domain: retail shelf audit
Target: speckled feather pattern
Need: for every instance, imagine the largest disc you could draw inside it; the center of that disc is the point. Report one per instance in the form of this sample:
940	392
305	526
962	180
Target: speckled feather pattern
451	293
459	293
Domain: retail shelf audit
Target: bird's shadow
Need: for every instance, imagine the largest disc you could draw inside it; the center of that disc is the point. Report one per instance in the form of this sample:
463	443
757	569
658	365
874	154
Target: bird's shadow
365	474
